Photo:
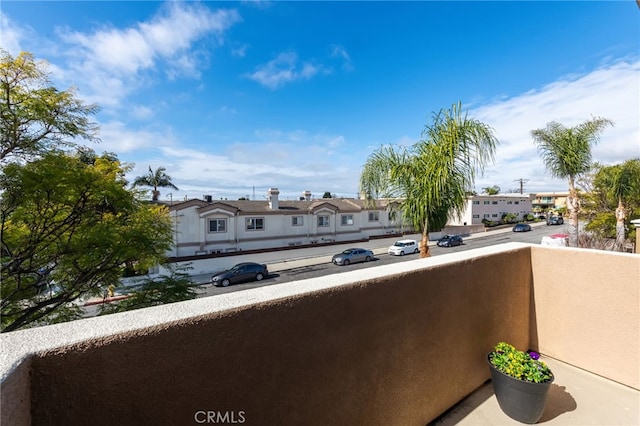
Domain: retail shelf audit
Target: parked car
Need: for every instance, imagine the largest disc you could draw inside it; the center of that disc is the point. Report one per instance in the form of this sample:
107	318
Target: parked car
450	241
402	247
521	227
247	271
352	255
555	220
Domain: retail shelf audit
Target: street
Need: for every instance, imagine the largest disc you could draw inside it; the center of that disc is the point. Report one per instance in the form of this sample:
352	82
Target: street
316	262
321	265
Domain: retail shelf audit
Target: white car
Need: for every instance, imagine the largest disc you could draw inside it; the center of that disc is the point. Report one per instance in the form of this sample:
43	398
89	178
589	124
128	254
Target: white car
402	247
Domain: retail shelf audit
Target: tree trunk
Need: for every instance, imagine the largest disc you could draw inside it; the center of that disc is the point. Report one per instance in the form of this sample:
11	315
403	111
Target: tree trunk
424	244
573	206
156	195
621	215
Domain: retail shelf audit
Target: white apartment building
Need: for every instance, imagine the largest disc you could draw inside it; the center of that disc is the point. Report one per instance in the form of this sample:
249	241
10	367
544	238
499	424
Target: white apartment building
493	207
221	226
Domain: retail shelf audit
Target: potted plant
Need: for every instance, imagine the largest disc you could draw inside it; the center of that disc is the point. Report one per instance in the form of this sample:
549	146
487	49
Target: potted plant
520	382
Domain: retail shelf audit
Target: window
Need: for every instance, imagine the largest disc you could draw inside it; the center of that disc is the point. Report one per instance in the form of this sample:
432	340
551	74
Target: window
494	215
486	202
516	202
373	216
494	202
346	219
254	223
476	216
486	215
217	225
297	221
323	221
509	202
476	203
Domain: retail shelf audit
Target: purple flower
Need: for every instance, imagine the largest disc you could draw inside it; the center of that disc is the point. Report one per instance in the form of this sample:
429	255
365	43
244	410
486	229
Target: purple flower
534	355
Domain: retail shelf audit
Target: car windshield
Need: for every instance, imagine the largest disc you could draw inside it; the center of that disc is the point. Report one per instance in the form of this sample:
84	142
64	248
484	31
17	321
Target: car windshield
399	244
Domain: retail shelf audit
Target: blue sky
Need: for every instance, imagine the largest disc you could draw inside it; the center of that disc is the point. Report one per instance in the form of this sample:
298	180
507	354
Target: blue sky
236	97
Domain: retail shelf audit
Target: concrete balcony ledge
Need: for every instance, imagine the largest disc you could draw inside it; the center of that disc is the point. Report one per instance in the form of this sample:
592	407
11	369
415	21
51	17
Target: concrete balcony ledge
393	345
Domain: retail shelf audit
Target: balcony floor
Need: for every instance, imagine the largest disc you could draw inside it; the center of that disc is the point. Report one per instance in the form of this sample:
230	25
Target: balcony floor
576	397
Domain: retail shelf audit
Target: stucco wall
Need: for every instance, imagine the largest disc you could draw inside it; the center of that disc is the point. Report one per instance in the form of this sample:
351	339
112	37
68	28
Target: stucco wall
397	345
587	310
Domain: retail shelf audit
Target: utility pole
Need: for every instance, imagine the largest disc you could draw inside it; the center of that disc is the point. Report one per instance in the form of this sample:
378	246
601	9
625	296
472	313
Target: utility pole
522	182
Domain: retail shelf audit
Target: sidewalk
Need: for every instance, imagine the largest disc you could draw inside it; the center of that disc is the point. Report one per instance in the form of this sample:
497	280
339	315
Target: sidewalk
279	261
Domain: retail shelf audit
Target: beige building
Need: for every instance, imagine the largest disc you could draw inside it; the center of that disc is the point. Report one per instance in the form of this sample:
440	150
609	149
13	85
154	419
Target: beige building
220	226
543	201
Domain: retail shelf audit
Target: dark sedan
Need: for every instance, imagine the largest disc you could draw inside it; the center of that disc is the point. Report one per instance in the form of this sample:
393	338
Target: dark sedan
241	272
450	241
521	227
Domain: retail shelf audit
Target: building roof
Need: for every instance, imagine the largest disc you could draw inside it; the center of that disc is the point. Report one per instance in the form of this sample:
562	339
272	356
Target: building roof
344	205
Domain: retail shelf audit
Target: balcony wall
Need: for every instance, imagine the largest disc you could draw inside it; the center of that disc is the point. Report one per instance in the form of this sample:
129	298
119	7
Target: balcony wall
587	310
397	345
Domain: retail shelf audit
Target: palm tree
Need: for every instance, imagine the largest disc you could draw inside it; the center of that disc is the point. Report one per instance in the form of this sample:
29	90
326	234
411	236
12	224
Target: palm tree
566	153
491	190
621	182
155	179
431	179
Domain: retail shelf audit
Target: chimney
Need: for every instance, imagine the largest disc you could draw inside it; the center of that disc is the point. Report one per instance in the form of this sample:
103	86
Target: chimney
307	195
273	198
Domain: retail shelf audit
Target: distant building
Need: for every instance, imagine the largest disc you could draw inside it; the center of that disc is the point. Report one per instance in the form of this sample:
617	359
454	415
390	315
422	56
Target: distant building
220	226
493	207
544	201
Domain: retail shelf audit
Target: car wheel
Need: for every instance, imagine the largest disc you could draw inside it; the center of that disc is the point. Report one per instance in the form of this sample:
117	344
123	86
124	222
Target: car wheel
416	251
345	262
259	276
225	283
402	253
367	259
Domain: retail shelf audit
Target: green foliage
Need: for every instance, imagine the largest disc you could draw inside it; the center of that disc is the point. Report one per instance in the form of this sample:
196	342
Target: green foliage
70	226
155	179
327	194
613	187
566	153
35	117
491	190
519	364
489	223
431	179
509	217
175	287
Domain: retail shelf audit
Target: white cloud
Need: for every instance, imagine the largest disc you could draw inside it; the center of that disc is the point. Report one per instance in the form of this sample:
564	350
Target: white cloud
610	91
116	137
116	61
283	69
338	51
240	51
11	35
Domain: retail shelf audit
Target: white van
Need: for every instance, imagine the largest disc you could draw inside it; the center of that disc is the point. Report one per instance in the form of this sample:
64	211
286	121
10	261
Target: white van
402	247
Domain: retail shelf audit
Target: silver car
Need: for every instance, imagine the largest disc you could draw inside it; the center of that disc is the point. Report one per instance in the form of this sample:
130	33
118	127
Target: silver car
352	255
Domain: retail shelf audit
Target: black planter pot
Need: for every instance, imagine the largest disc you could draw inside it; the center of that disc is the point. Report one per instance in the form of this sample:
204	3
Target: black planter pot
520	400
